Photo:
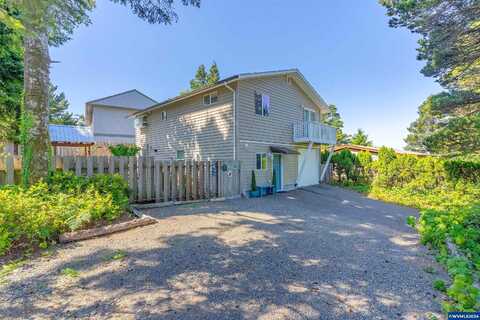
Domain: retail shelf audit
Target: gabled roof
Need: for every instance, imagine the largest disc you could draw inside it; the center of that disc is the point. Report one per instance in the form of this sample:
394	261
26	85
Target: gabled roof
131	99
64	134
294	73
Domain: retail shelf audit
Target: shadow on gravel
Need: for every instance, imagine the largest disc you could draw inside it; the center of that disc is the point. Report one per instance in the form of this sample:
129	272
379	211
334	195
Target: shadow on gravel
293	255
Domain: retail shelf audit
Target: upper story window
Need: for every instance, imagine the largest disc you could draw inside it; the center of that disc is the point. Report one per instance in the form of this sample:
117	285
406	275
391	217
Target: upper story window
309	115
262	104
163	115
210	98
180	154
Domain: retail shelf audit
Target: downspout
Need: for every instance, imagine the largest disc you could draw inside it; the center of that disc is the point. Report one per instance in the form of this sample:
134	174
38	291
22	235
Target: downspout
234	121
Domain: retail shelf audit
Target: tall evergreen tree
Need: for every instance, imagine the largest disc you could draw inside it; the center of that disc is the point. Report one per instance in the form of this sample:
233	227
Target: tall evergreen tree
52	22
333	118
200	79
360	138
58	105
450	46
213	74
11	78
203	79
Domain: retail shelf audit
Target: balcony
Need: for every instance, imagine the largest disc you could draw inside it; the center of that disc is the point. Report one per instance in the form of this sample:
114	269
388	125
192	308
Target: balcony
312	131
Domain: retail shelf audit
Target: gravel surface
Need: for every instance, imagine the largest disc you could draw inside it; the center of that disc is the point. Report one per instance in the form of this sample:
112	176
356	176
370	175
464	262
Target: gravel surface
318	253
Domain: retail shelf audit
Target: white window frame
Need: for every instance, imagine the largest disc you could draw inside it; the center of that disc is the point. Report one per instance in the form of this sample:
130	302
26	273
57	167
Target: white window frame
263	165
264	114
163	115
211	95
311	111
176	156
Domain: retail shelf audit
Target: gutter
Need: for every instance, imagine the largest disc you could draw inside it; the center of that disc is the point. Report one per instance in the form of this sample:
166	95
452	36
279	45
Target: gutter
233	120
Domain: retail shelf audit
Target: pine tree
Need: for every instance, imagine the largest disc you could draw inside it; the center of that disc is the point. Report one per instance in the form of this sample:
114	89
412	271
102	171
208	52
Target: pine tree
334	119
360	138
58	109
200	79
214	74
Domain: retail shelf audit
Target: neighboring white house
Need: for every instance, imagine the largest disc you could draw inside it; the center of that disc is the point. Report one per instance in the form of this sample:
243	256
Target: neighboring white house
109	117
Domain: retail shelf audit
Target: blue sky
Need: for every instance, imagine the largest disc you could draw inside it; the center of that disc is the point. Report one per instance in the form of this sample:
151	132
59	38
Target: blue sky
344	48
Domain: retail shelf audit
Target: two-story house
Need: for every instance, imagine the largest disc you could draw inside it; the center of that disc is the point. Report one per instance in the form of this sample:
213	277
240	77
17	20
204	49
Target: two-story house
268	120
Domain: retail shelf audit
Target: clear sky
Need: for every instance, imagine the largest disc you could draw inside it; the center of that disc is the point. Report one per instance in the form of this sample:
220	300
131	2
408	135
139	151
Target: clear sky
344	48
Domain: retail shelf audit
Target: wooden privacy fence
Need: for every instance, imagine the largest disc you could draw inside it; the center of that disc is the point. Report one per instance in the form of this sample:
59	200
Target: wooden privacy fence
149	180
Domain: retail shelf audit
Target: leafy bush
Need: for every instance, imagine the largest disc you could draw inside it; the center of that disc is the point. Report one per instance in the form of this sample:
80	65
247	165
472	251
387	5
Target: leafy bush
124	150
465	170
37	215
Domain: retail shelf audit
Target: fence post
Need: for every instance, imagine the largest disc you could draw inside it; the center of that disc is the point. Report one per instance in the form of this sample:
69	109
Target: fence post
174	180
121	167
89	166
201	183
131	177
195	180
148	178
78	166
100	165
166	181
140	180
9	165
208	182
111	165
181	180
188	180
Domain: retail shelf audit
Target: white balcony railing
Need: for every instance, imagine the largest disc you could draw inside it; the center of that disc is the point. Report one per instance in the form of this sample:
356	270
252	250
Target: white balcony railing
312	131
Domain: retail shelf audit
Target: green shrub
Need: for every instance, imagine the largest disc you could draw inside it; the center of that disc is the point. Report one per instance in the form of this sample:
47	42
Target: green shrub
37	215
124	150
465	170
440	285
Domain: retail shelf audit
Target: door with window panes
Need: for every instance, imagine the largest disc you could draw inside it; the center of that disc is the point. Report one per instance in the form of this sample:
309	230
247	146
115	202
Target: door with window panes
309	116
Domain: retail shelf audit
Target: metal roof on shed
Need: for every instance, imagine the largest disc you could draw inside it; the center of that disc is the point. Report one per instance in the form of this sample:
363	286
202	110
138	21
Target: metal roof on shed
70	134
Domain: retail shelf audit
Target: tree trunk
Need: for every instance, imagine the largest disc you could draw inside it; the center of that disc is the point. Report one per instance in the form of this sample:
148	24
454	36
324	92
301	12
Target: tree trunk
36	80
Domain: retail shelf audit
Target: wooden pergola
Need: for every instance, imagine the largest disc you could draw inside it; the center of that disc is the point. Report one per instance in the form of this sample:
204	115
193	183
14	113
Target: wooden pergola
86	146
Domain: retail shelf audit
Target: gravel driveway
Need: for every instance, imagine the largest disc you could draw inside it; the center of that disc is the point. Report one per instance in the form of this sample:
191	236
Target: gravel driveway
318	253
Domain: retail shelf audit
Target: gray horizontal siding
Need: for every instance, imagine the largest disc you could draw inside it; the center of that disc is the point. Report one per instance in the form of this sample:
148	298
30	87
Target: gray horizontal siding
203	132
286	101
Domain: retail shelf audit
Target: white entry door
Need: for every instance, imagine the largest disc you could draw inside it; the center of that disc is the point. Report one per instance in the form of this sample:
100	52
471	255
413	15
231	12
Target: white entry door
308	167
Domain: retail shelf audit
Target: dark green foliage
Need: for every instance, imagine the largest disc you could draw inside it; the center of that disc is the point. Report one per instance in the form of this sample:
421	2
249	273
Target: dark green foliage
450	37
203	79
160	11
360	138
124	150
440	285
411	221
461	169
253	185
344	165
333	118
351	168
58	106
11	79
449	122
